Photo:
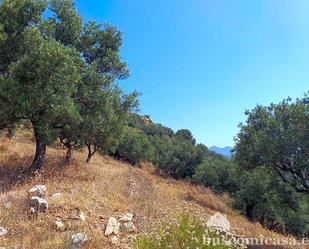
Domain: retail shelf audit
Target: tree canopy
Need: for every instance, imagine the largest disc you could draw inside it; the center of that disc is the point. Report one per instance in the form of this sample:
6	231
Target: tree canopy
60	74
277	137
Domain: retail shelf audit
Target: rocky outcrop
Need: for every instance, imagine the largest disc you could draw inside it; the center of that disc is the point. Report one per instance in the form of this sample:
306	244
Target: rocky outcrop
118	230
78	240
112	227
219	222
59	225
38	190
37	202
126	218
3	231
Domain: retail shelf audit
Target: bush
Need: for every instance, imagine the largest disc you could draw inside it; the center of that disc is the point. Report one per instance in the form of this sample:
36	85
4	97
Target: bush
218	174
134	147
265	198
176	159
188	233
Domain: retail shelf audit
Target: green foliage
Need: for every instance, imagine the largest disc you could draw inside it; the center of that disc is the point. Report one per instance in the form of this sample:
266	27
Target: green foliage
176	159
174	154
219	174
277	137
59	73
134	147
264	197
44	79
189	233
66	23
184	135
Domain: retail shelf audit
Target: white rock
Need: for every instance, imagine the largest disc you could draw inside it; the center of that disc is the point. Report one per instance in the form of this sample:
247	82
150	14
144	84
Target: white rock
126	218
114	239
56	196
129	227
7	205
3	231
59	224
38	190
82	216
78	240
220	222
32	210
112	227
39	204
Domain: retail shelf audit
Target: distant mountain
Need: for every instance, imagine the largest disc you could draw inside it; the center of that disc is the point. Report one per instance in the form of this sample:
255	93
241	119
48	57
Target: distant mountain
226	151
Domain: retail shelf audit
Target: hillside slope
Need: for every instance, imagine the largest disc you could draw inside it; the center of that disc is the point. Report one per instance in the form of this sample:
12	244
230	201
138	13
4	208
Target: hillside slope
101	189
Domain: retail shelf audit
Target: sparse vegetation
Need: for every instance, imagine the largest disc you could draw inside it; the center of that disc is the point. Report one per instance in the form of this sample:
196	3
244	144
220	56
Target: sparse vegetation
189	232
58	84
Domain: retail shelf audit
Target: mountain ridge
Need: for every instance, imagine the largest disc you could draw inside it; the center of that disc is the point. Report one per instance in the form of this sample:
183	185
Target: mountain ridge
225	151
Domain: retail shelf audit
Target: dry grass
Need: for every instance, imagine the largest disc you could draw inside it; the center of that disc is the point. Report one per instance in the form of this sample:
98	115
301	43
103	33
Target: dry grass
101	189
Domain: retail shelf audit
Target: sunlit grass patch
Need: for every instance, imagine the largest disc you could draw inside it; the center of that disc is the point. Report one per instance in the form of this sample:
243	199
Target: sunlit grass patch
188	233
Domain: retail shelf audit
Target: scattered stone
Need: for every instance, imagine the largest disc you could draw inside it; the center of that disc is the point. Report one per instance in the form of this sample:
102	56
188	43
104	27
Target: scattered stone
59	224
129	227
7	205
38	190
32	210
3	231
38	204
112	227
56	196
220	222
82	216
126	218
114	239
78	240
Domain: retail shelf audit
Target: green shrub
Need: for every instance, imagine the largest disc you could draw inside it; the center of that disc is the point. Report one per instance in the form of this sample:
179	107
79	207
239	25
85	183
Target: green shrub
218	174
189	233
134	147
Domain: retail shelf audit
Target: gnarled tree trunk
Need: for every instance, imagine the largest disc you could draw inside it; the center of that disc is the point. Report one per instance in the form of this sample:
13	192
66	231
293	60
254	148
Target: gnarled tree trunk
65	142
40	152
69	154
90	152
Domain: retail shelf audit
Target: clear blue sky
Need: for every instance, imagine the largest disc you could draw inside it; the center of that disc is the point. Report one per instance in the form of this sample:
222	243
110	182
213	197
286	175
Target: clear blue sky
200	63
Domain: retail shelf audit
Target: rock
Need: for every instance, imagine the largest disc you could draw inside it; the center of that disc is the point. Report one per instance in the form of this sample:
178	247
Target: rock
3	231
114	239
59	224
39	204
82	216
220	222
112	227
32	210
56	196
129	227
78	240
7	205
126	218
38	190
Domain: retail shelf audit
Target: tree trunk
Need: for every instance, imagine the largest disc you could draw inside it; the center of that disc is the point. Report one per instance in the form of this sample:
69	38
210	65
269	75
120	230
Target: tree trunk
69	154
249	211
90	153
40	152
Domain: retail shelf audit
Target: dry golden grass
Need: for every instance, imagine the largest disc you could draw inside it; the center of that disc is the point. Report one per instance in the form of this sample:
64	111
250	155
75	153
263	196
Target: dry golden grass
101	189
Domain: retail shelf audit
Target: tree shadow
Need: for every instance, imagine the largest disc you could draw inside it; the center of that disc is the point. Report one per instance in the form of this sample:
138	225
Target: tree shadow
13	166
11	169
